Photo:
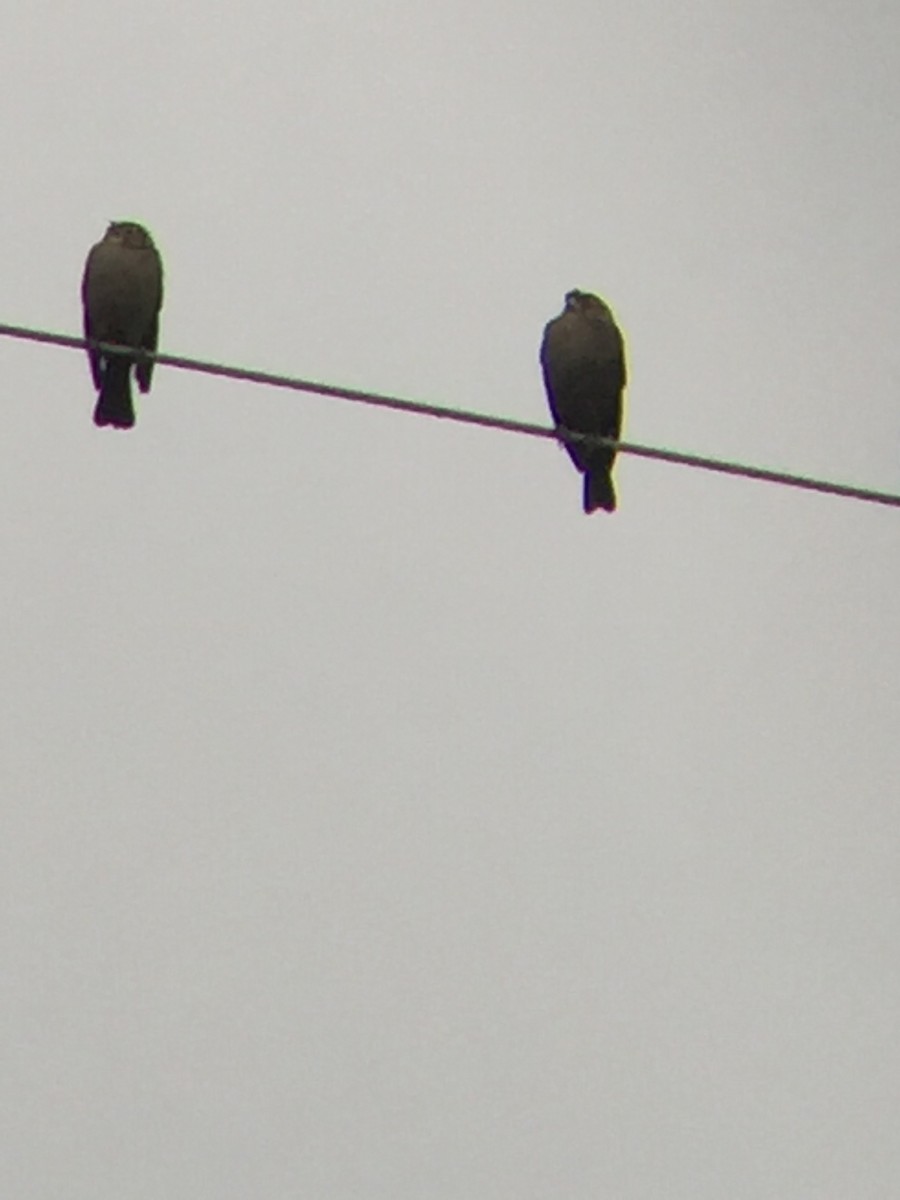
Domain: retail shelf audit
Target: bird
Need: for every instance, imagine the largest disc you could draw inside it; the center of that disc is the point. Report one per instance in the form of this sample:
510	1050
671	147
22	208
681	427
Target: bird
583	363
121	292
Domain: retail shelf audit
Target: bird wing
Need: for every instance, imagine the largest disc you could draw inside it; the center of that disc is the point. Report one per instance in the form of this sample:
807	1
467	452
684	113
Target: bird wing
94	356
152	269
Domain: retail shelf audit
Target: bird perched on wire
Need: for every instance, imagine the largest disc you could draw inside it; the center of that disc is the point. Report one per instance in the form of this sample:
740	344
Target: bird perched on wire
583	360
122	294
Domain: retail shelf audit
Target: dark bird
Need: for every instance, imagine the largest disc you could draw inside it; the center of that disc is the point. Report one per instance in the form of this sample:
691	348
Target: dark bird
122	294
583	360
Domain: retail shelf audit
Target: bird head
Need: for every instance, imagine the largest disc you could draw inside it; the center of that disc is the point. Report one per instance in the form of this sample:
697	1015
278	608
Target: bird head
130	234
586	304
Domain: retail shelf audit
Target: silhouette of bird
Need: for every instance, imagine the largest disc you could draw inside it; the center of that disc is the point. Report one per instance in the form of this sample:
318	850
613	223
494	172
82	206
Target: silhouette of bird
122	294
583	360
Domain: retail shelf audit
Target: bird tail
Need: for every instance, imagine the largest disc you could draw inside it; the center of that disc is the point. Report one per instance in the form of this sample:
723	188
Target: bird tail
598	489
114	406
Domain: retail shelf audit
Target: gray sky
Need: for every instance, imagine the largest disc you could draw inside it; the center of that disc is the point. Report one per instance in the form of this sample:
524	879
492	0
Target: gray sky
373	823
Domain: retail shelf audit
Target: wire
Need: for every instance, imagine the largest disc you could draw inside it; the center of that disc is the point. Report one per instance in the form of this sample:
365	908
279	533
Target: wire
462	416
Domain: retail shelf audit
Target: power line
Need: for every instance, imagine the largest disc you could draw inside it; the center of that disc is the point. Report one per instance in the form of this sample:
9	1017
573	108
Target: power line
462	416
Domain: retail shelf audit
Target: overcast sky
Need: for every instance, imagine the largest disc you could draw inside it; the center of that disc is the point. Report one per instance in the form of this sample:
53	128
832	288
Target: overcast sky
374	823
